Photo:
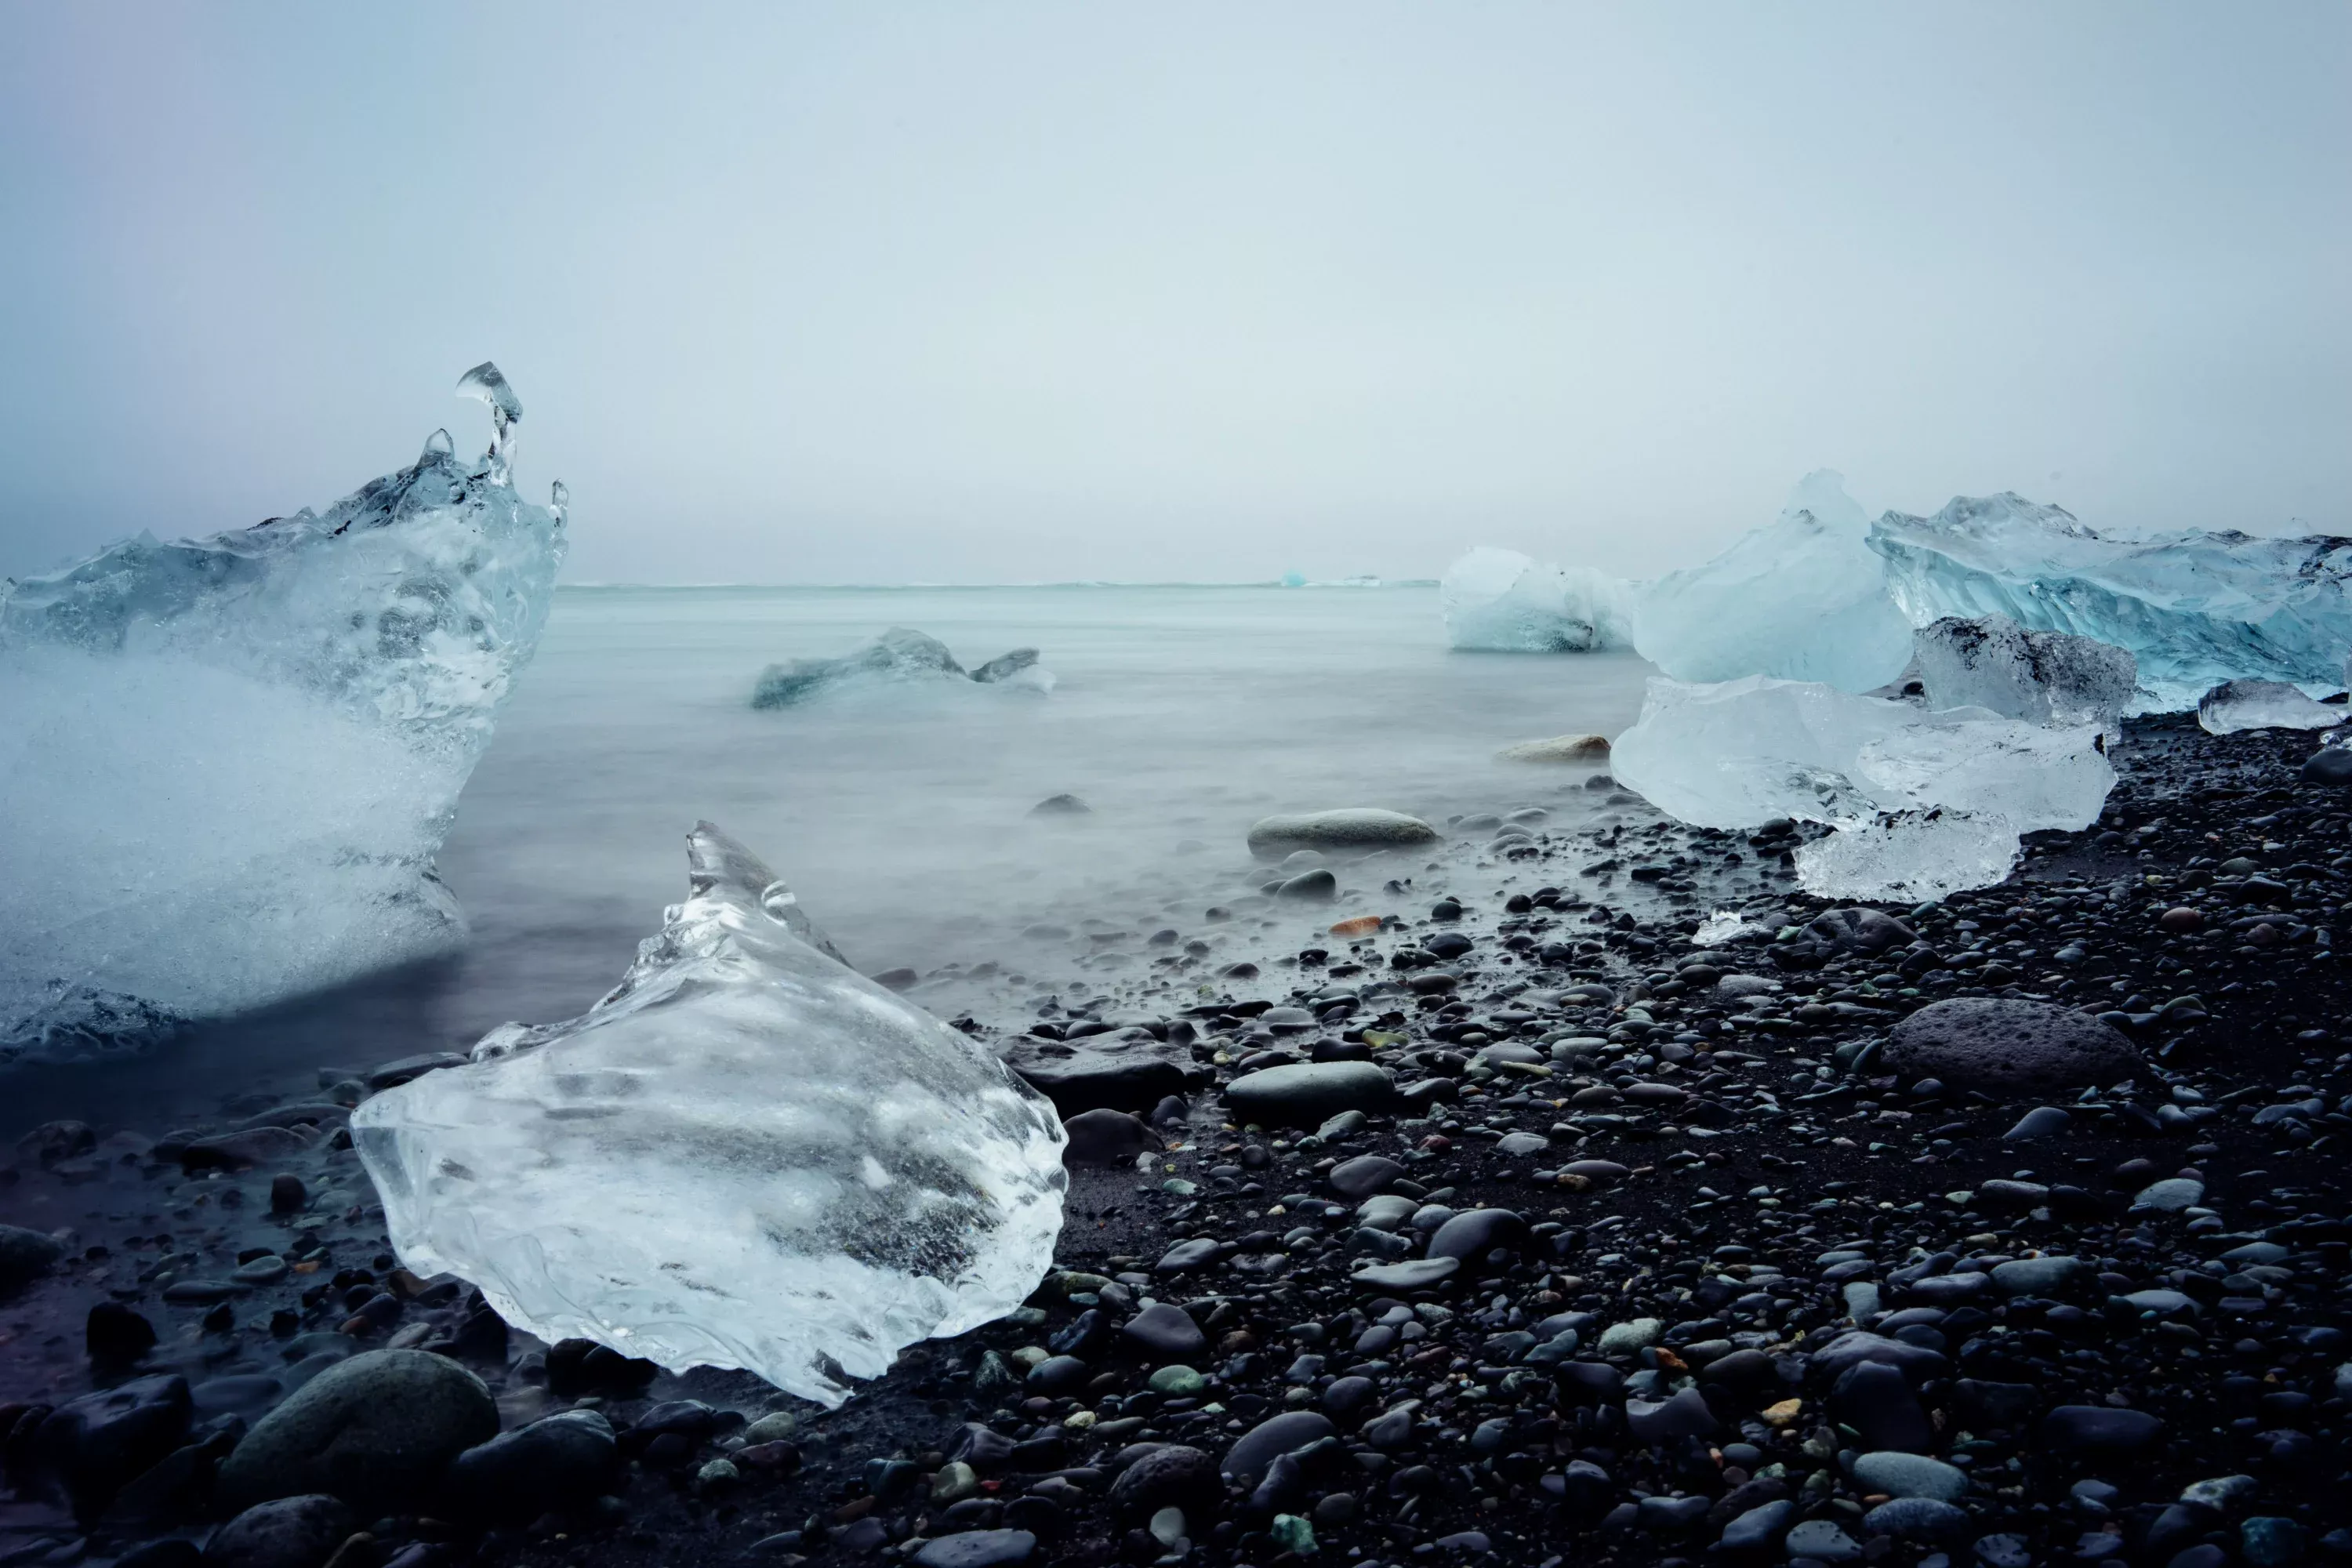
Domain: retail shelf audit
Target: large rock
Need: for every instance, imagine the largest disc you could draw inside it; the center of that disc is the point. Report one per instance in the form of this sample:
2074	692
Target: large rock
96	1443
1131	1069
560	1463
1361	829
26	1256
1997	1042
375	1431
1305	1093
1258	1447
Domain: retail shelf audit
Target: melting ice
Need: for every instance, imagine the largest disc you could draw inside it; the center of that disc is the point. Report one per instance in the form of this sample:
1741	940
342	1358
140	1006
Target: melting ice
746	1155
226	764
1499	601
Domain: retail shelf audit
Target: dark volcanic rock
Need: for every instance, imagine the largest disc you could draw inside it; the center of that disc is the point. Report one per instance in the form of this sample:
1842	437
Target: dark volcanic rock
1304	1094
1166	1332
1169	1475
290	1532
95	1443
1131	1069
1997	1042
26	1256
373	1430
1103	1137
560	1463
1258	1447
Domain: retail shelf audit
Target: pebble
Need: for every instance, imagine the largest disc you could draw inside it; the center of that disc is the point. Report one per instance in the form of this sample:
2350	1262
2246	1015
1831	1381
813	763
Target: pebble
1901	1475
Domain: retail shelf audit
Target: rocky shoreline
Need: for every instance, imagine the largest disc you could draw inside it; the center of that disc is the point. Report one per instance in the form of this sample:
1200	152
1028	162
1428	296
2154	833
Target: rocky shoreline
1506	1221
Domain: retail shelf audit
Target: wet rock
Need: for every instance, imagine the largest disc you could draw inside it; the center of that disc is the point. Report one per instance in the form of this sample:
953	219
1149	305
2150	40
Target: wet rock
559	1464
1318	887
26	1256
1685	1414
1758	1528
1165	1332
2099	1430
1363	1175
1105	1137
1306	1093
1247	1460
288	1532
1273	836
1900	1473
1168	1475
374	1430
1129	1070
1559	750
2042	1121
1920	1518
2001	1043
1471	1236
1412	1274
95	1443
116	1335
1822	1541
977	1549
1861	930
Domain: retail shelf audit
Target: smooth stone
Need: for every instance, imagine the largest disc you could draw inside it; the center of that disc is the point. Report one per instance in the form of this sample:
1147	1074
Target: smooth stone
1386	1212
1166	1332
1412	1274
1167	1475
1195	1252
1176	1382
1877	1402
977	1549
1920	1518
2039	1276
1684	1416
1355	828
1822	1540
2004	1043
1127	1069
1519	1146
1363	1175
560	1463
97	1442
1104	1137
1758	1528
1247	1460
1304	1093
1858	1345
1898	1474
2099	1428
2042	1121
26	1256
1309	888
373	1430
1572	750
1472	1235
1630	1338
2171	1196
288	1532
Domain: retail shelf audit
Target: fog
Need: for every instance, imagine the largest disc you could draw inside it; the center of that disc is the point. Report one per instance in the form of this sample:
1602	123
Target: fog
1021	292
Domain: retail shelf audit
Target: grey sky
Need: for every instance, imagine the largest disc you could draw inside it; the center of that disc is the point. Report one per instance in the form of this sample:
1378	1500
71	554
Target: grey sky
1002	292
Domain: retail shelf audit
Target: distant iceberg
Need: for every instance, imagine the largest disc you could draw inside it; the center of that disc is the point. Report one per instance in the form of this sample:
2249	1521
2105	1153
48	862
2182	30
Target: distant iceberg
1803	599
1499	601
226	764
2195	608
901	656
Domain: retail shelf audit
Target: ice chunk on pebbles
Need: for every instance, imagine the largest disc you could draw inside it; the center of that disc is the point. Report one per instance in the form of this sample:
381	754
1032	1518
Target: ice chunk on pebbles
2236	705
1803	599
2195	608
1923	804
746	1155
226	764
1499	601
2049	677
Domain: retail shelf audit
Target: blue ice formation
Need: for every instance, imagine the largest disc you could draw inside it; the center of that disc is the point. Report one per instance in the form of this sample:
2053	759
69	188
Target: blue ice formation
226	764
1499	601
2196	608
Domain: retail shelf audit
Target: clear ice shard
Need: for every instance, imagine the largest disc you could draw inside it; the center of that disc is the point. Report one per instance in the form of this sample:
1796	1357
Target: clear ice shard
1499	601
2049	677
746	1155
2195	608
2236	705
1923	804
226	764
1803	599
900	657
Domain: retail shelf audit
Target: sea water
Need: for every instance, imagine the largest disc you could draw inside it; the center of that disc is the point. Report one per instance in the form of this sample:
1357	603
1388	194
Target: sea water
902	816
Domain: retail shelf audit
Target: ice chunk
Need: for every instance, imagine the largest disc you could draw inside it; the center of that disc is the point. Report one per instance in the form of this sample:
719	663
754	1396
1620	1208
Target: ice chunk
2050	678
1925	803
746	1155
2236	705
2195	608
1803	599
900	657
1499	601
226	764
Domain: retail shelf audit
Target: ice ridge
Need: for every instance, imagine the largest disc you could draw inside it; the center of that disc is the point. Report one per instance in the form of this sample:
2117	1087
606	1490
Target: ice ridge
1499	601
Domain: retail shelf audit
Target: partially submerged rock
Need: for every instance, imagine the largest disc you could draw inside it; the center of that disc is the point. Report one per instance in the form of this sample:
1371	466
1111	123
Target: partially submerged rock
1355	828
900	655
1558	748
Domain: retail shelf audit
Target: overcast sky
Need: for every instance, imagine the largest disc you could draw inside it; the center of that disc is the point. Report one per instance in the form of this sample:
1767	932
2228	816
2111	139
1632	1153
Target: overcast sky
1010	291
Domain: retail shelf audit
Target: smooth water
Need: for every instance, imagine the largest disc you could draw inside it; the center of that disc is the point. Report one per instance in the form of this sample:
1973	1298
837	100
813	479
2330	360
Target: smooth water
901	816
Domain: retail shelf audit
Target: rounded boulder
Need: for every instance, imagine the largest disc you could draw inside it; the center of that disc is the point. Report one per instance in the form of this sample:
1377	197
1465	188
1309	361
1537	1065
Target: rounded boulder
2001	1043
375	1431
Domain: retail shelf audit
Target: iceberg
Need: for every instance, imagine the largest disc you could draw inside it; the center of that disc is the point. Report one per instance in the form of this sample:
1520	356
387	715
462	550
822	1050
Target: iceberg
1803	599
2236	705
1923	804
226	764
2195	608
1499	601
900	657
2049	677
746	1155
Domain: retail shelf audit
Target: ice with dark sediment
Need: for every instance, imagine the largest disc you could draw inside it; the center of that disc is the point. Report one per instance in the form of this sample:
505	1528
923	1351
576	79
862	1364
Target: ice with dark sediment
2049	677
226	764
746	1155
1801	599
2195	608
1499	601
901	657
2236	705
1924	804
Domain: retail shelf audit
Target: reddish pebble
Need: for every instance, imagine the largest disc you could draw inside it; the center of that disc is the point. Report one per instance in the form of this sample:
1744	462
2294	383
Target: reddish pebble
2181	918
